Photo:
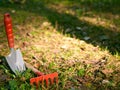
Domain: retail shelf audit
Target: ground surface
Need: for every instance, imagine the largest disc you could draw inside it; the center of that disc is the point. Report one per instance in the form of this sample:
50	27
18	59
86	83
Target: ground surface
77	39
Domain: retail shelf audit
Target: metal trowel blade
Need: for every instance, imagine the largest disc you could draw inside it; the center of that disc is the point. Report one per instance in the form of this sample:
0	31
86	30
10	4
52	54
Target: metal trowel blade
15	61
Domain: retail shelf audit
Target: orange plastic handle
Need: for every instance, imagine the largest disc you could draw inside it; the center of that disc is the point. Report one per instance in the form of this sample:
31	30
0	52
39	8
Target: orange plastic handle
8	29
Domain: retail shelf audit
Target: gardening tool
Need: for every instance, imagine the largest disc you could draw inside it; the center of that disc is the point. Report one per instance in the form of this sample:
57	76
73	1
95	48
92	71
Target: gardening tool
14	59
43	79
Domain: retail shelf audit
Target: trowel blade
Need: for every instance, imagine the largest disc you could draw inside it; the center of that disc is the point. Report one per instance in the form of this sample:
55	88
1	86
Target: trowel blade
15	61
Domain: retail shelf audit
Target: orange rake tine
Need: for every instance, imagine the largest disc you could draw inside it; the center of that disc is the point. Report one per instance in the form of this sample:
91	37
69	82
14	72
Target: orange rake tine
40	79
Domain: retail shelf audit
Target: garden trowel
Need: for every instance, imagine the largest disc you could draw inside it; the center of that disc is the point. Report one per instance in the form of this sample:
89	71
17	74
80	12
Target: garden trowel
14	59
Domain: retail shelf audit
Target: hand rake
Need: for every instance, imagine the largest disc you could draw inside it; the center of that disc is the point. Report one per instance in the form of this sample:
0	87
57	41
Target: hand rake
42	79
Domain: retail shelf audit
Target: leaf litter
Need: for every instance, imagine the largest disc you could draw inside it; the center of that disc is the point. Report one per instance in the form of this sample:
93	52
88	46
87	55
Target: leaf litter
77	60
80	65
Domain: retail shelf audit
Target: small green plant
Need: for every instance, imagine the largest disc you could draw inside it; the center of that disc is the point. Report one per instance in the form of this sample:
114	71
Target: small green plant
81	72
51	65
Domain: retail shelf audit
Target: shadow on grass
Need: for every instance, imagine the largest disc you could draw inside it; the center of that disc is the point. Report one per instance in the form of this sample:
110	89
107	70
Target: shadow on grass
2	58
4	63
103	6
69	24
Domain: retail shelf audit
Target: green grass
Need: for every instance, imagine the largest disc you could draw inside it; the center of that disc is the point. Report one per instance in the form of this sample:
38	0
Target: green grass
52	37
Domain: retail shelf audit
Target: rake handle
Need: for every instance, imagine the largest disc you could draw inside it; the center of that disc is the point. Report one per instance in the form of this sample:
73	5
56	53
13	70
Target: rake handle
36	71
8	29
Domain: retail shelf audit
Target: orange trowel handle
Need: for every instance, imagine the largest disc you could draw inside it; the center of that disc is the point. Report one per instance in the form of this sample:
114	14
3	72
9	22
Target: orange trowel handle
8	29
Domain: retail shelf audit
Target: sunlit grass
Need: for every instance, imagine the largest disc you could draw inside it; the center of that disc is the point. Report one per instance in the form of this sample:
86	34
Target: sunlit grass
73	38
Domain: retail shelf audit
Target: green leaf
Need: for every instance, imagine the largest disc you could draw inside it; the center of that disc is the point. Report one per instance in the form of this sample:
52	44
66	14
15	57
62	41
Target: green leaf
13	85
81	72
